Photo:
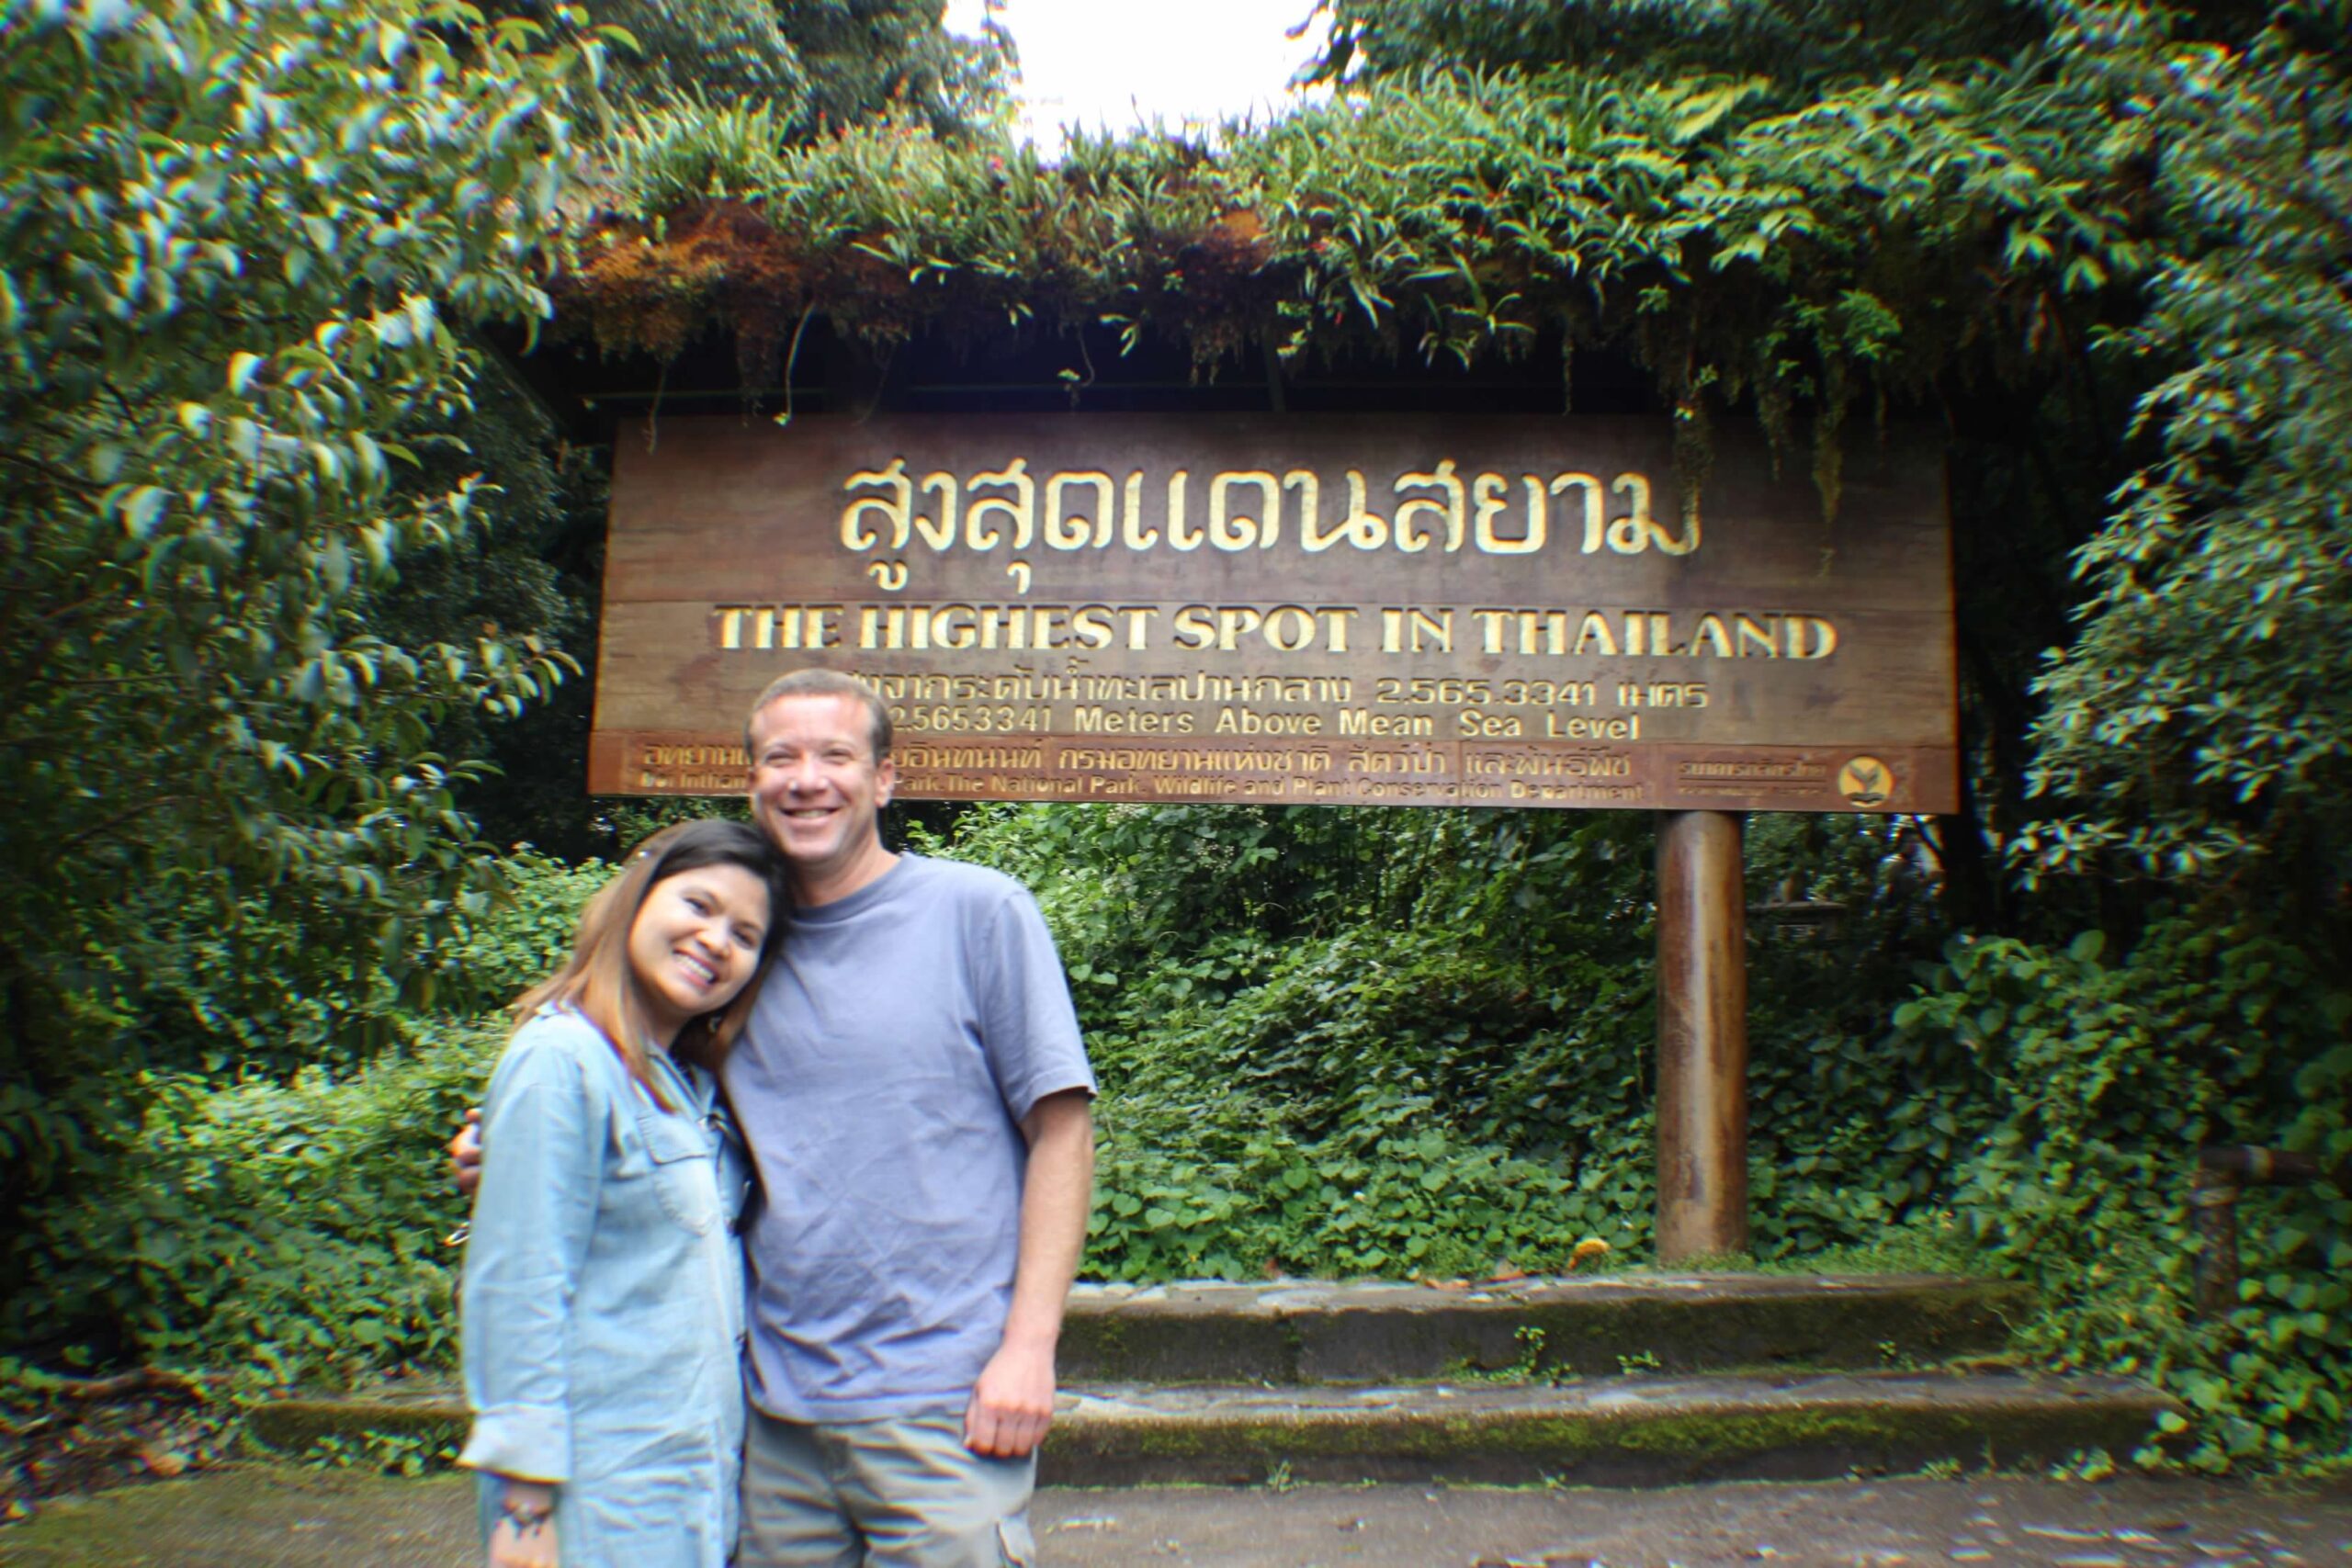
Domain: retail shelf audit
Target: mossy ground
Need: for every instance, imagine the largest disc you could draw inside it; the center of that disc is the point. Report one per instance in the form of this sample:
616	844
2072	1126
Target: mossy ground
253	1514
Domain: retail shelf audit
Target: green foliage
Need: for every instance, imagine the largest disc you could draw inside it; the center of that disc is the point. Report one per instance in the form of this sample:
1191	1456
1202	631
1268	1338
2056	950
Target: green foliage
527	569
1346	1042
665	158
1801	42
291	1233
243	243
813	65
1294	1076
1231	1187
2199	719
866	58
1805	252
1380	1041
384	1453
280	1209
490	960
2106	1078
730	50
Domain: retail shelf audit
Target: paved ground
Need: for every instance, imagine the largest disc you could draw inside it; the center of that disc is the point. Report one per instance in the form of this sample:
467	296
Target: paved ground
289	1518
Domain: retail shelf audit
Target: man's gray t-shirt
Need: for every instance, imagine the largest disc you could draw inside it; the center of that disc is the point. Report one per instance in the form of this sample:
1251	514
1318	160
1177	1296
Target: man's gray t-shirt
901	1035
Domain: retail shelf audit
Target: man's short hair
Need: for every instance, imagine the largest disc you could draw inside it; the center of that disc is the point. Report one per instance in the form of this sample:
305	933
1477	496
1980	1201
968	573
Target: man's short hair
825	683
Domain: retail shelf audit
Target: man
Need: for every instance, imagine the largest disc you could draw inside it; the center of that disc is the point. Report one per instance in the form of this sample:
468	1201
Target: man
914	1049
918	1103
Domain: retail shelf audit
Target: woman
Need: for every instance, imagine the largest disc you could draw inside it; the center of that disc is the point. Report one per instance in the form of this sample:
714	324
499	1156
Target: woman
603	1282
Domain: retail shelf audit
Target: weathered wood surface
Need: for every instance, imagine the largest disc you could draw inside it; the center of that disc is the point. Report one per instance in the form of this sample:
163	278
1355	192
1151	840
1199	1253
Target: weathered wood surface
1701	1038
1318	609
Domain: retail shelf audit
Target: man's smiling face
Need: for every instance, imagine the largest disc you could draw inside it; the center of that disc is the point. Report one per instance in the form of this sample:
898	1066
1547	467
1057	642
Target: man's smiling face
817	791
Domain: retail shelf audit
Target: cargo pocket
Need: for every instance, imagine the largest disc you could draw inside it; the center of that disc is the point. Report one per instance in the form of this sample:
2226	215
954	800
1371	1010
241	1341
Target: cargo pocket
685	1173
1016	1544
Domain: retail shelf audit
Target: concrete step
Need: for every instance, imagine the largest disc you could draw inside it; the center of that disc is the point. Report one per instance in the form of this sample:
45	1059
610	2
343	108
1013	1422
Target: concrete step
1317	1332
1623	1431
1630	1378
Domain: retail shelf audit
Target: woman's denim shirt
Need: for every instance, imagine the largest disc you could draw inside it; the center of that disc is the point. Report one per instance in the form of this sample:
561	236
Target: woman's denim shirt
604	1297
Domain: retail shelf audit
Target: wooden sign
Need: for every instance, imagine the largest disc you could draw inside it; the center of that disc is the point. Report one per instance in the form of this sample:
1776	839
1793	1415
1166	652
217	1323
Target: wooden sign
1288	610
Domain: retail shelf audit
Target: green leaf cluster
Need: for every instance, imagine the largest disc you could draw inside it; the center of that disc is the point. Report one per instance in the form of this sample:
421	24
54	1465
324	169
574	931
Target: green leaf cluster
1802	255
1368	1041
2198	728
2105	1077
812	67
243	249
290	1233
280	1205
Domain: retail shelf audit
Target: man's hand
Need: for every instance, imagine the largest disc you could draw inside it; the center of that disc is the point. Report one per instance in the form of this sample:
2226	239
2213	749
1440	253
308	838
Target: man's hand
465	1157
1012	1404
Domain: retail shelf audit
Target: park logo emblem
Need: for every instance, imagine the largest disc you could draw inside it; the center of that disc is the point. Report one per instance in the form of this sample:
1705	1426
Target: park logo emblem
1866	782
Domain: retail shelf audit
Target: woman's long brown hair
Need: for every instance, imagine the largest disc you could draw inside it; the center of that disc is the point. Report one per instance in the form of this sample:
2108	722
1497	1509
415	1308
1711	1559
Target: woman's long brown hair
596	981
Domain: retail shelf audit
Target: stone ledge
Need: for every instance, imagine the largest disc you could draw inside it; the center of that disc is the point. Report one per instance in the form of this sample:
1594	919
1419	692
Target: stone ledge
1310	1331
430	1409
1641	1430
1616	1431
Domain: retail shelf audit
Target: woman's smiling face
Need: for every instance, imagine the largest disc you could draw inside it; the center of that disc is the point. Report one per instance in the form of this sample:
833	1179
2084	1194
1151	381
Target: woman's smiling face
696	943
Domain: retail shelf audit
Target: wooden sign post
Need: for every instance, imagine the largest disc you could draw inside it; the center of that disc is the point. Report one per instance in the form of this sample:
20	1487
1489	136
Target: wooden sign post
1318	610
1702	1037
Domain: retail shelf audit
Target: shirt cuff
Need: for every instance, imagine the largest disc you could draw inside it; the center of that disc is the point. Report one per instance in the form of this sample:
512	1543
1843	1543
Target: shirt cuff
532	1442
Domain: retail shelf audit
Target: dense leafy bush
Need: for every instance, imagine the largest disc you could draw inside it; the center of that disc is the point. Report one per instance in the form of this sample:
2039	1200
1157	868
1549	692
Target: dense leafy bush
243	248
288	1232
1373	1041
2105	1079
266	1206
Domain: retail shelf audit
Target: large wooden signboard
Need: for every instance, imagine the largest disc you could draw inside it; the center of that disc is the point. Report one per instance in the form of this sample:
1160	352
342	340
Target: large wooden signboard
1288	610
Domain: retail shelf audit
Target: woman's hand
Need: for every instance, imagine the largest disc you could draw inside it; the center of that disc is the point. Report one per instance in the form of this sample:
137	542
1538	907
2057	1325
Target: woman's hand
523	1546
525	1534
